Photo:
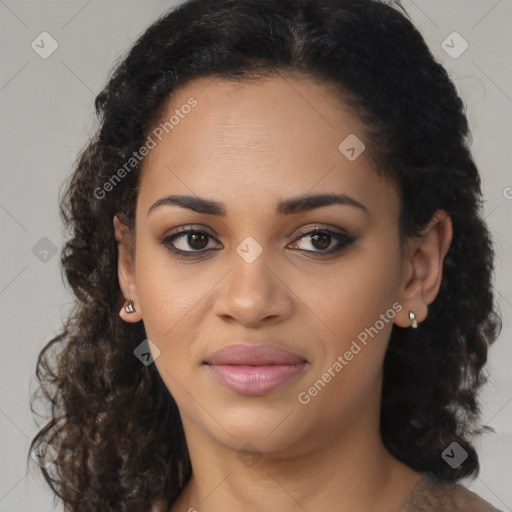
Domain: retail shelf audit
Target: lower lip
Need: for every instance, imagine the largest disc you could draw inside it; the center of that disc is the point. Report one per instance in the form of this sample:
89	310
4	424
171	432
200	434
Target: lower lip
255	380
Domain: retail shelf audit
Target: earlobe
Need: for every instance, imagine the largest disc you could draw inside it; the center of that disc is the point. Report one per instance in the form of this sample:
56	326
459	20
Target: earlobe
130	311
425	268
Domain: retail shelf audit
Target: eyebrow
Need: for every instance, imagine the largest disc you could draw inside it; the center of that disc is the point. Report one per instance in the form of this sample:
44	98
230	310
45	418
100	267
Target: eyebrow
297	204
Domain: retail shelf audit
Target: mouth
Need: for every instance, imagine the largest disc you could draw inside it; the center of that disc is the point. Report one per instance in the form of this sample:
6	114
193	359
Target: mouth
254	370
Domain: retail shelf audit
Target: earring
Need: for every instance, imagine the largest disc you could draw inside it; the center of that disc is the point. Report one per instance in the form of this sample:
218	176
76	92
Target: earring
412	318
129	307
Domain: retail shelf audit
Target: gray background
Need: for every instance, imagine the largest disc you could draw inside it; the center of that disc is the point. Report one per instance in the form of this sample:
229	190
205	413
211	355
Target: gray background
46	116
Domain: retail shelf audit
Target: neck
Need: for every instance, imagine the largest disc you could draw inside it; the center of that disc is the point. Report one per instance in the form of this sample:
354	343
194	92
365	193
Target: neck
345	470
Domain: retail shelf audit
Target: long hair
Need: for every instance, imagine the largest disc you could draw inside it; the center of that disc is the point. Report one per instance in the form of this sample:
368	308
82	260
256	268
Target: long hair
113	423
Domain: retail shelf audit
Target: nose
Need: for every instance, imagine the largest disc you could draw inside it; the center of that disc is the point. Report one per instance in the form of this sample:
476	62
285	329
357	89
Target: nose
253	294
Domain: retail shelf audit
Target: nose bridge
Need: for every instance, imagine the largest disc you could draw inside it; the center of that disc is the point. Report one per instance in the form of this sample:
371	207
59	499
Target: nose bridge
252	291
251	275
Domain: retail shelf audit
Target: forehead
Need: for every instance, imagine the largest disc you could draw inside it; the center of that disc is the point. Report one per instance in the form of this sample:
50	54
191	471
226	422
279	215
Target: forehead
275	115
245	140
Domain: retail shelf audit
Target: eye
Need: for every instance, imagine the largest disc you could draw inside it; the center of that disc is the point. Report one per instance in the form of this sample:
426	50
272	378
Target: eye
187	237
184	238
322	240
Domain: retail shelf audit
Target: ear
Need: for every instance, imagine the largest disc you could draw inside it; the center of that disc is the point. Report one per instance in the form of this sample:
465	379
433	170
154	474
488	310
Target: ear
423	268
126	270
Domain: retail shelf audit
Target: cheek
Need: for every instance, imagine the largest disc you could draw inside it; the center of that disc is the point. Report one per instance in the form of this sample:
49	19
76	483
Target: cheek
357	316
164	295
166	306
354	294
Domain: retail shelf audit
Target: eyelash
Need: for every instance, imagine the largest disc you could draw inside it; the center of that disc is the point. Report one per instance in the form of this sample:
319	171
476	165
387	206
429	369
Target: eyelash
344	241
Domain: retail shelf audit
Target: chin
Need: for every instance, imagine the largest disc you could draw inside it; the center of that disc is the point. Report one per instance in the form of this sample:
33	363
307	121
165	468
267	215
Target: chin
266	430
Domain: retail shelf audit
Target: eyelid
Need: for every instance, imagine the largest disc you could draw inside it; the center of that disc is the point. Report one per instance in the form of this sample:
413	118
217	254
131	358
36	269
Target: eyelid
183	230
302	233
343	237
325	228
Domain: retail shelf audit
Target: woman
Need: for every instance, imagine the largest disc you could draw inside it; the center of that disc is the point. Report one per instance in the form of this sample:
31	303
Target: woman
283	278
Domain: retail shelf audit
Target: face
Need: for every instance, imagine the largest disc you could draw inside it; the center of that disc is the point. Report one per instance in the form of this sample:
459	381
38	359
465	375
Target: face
249	263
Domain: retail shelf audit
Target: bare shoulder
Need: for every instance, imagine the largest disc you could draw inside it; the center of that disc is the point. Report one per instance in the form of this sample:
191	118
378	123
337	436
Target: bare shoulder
432	495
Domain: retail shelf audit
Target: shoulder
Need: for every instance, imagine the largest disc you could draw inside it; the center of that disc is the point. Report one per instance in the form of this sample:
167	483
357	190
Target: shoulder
432	495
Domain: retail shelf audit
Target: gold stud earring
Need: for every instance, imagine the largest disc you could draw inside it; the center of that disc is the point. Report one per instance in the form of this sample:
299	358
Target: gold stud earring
412	318
129	307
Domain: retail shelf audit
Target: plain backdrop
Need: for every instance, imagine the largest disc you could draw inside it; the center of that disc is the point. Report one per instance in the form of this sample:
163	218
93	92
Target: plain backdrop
47	115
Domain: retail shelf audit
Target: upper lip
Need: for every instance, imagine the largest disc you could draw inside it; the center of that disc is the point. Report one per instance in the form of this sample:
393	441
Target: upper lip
250	354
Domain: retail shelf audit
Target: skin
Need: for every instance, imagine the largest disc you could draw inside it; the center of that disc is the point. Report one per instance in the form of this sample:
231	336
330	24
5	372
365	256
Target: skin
248	146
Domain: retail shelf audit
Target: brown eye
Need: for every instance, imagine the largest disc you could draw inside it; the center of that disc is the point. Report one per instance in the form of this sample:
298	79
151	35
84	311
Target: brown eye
321	240
197	240
188	241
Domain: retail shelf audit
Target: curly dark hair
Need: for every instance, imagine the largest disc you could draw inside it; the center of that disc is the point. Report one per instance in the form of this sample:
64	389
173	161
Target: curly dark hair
113	422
